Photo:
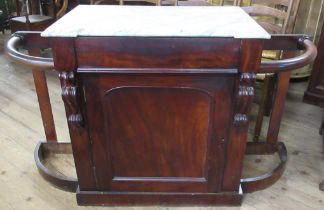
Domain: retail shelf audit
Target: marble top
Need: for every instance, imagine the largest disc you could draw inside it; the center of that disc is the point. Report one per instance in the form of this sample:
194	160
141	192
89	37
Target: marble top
156	21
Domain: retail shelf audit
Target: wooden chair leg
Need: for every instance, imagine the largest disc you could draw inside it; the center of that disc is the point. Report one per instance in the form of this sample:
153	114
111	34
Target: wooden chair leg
278	107
321	186
321	132
322	140
44	101
259	119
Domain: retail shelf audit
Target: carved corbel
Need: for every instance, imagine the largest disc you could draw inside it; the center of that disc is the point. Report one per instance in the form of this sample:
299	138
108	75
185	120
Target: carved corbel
244	99
71	95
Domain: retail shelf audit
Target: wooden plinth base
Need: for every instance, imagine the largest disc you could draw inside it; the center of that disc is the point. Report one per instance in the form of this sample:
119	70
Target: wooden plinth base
150	198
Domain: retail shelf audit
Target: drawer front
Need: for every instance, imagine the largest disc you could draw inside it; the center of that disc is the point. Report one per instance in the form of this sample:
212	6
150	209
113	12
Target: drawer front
158	133
108	53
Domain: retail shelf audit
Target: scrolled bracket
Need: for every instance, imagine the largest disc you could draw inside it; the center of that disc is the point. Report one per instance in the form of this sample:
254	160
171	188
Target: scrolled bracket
244	98
71	95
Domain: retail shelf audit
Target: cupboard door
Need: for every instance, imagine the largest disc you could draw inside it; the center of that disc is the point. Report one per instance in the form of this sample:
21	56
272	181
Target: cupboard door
160	134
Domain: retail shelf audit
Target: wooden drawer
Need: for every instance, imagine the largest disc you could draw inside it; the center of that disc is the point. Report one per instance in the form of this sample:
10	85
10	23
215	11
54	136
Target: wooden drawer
107	53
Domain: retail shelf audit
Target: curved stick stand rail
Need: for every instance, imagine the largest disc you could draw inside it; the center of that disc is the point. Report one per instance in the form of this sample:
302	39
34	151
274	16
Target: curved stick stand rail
277	42
42	151
17	41
277	66
295	42
263	181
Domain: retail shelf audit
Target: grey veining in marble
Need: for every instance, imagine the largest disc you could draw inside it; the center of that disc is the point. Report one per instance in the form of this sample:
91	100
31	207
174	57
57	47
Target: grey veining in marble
156	21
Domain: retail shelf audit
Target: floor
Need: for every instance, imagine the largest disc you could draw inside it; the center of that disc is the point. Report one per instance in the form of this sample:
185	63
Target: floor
21	187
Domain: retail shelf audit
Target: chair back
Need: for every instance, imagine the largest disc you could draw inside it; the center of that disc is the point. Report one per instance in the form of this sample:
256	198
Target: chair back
228	2
32	7
130	2
26	7
60	8
206	2
169	2
272	15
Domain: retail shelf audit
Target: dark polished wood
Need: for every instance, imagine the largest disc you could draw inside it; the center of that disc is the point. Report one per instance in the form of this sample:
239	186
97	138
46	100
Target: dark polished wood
74	105
292	63
278	107
143	117
315	91
43	99
44	149
176	198
244	95
121	52
288	45
263	181
29	60
142	165
275	17
154	132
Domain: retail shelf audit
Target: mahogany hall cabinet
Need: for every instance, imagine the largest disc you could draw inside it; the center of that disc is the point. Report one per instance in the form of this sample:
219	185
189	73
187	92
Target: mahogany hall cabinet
157	100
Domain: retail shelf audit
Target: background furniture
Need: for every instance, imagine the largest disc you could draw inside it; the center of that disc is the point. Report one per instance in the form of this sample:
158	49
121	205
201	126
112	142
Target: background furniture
167	2
5	6
134	2
1	22
277	17
207	2
31	20
315	91
273	16
309	21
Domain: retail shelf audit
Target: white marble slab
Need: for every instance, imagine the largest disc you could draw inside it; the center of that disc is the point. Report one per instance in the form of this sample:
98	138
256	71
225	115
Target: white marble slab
156	21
